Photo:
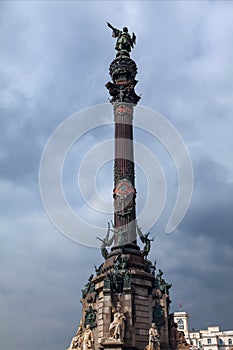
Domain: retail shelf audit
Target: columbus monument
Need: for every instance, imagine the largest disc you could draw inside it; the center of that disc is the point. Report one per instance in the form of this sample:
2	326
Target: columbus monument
125	303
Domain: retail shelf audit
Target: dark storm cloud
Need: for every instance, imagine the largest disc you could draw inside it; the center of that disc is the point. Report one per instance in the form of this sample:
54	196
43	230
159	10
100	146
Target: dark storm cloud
212	203
198	257
39	271
47	73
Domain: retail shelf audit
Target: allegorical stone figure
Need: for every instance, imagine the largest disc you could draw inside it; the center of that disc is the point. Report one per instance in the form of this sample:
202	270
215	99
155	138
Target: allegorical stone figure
88	339
117	327
76	342
153	338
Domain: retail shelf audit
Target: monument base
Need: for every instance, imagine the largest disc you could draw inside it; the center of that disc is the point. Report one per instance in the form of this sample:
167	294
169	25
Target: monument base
112	344
115	345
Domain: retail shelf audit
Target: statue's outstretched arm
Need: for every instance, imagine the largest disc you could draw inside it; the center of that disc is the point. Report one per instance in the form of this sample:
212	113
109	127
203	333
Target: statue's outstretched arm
110	26
115	31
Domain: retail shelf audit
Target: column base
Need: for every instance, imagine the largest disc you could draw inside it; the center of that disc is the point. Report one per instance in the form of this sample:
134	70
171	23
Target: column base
112	344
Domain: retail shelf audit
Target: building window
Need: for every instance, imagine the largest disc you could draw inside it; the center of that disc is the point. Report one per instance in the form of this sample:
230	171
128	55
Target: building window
209	341
180	323
200	344
220	342
229	341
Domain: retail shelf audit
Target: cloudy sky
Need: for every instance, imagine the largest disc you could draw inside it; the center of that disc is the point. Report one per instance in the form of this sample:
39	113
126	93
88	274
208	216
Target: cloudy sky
54	60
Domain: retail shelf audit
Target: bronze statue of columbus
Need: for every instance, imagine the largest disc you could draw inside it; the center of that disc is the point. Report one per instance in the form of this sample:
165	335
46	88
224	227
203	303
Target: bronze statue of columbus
124	40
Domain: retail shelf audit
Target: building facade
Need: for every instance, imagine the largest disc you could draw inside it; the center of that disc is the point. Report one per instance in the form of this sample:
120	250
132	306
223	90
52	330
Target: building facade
210	339
181	319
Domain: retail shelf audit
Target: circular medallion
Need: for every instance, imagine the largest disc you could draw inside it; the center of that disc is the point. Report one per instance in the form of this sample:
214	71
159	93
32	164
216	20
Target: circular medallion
124	188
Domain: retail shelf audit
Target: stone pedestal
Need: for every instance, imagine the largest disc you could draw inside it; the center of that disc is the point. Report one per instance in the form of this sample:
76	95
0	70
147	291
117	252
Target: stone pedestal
113	345
126	278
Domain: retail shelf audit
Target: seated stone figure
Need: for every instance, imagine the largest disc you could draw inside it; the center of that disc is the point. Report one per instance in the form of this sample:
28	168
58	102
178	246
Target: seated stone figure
77	339
117	327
